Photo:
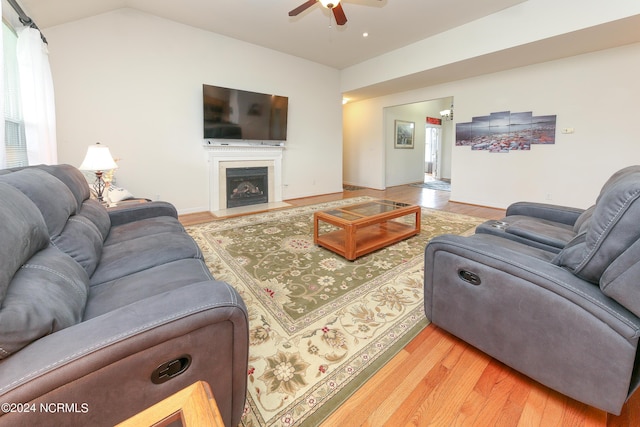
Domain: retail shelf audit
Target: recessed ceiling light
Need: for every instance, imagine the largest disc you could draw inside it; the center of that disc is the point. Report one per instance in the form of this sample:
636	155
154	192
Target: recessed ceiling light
365	34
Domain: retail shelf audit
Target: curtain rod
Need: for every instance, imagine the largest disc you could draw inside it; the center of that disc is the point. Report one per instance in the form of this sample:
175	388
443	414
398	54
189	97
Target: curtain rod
25	19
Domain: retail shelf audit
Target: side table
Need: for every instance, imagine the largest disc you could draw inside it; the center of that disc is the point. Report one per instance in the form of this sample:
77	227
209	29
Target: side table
193	406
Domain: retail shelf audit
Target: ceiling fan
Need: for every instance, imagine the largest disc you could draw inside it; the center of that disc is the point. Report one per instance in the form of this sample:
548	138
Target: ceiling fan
334	5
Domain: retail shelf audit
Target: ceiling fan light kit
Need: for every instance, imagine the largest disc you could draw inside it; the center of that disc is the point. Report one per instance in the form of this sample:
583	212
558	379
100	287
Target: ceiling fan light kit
333	5
329	4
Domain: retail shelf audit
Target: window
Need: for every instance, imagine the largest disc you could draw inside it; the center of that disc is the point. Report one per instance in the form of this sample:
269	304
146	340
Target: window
14	134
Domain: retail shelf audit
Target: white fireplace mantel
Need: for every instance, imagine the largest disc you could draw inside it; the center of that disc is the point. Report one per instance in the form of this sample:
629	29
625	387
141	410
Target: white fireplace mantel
222	156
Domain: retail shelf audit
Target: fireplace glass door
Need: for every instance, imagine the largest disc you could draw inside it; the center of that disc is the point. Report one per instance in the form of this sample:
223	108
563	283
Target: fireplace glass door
247	186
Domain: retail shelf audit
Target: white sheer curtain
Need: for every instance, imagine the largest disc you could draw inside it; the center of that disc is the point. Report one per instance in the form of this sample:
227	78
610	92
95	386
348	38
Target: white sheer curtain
3	154
36	88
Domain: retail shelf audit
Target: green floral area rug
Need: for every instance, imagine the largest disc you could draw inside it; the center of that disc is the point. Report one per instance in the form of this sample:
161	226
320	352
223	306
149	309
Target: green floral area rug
320	325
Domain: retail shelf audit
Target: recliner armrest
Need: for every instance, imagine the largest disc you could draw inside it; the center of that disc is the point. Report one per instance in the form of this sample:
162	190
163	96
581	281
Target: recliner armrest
96	362
128	213
562	214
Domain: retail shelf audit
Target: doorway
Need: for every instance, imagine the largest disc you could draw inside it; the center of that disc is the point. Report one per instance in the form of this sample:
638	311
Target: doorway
409	166
432	147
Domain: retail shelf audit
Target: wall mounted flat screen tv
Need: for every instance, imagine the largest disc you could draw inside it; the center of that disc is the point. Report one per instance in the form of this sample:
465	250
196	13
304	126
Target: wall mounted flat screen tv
233	114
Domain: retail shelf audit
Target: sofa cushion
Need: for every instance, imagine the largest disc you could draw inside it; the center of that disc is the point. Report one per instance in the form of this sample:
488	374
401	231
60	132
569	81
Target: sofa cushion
47	294
143	227
95	212
610	231
81	240
620	279
613	179
583	220
22	225
134	255
126	290
50	195
83	235
72	178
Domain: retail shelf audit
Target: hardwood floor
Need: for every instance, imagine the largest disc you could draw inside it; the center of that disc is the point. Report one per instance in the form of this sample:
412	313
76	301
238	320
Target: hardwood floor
439	380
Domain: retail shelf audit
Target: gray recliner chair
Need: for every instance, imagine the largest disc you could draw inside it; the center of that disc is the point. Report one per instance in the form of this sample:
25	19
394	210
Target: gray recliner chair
569	317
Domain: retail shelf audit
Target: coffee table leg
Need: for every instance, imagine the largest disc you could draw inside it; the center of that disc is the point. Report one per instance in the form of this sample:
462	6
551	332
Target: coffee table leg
350	242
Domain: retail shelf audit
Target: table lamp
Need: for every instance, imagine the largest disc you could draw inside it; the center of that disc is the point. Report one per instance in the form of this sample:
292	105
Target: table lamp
98	160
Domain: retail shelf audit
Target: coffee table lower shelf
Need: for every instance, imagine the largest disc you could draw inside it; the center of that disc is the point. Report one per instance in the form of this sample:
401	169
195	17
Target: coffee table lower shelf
366	240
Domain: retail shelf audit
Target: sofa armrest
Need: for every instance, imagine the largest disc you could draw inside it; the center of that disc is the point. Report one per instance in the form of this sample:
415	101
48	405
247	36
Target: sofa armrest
533	316
562	214
104	365
135	212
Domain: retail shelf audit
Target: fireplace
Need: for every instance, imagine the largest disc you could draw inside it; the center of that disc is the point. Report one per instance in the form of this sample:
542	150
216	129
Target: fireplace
223	158
247	186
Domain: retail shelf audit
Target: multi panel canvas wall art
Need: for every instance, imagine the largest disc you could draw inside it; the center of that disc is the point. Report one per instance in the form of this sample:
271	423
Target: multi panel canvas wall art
505	131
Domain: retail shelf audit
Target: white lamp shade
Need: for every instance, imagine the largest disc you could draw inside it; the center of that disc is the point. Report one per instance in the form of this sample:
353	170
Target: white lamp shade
98	158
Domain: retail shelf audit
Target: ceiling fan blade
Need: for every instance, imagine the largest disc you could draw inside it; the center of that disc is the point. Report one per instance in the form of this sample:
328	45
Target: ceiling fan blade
338	12
304	6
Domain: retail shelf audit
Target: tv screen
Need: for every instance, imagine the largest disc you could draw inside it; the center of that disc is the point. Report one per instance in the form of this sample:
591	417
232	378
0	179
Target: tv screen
232	114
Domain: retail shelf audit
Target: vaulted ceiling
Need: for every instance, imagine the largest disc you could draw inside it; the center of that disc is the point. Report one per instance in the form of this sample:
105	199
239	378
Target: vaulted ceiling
390	24
312	35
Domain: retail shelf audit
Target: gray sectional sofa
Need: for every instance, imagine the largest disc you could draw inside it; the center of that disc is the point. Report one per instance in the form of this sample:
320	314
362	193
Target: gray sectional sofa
565	314
104	313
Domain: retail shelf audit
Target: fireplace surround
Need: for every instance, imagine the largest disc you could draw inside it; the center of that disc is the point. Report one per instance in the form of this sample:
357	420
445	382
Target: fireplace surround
224	157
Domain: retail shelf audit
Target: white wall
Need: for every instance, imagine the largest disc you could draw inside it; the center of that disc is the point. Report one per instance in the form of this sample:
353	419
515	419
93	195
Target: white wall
596	94
133	81
404	165
364	154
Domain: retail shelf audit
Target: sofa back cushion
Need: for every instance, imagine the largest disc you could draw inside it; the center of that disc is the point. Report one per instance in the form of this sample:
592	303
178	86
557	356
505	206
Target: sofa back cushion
72	178
23	233
84	234
95	212
620	279
50	195
583	220
42	289
47	294
81	240
611	230
621	174
77	225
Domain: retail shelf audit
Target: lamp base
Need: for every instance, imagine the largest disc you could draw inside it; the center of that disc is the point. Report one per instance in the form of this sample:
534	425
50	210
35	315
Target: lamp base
99	186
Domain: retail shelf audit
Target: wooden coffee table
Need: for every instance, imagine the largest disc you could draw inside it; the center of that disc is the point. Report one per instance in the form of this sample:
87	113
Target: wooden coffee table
365	227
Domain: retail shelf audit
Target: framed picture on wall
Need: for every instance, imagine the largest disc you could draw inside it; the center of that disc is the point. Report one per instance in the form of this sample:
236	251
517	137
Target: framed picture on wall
405	134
